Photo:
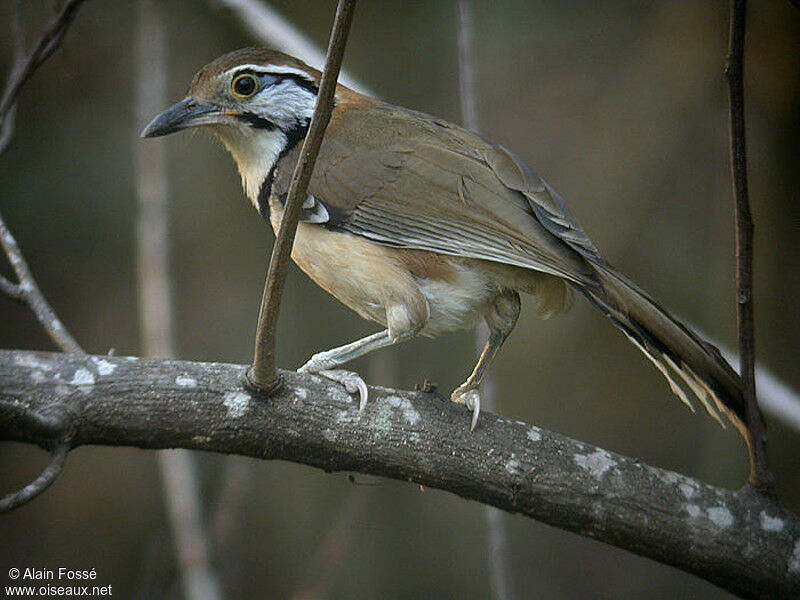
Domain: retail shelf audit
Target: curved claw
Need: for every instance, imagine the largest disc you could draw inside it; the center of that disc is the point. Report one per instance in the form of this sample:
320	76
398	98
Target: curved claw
352	382
470	398
473	402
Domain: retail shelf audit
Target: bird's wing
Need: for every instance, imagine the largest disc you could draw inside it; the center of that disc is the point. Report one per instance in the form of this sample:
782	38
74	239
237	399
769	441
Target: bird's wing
407	180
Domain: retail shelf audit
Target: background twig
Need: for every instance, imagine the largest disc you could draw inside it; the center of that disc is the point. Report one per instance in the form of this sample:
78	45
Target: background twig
49	42
181	494
264	374
27	290
498	545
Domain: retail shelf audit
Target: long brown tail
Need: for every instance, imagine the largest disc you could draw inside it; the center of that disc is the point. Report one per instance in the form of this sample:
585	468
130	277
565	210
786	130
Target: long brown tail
692	366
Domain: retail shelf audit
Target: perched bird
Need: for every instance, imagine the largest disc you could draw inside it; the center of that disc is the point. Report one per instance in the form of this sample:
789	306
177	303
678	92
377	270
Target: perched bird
424	227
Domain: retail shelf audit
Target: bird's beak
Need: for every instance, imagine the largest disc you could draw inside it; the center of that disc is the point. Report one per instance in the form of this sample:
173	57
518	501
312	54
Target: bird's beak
189	112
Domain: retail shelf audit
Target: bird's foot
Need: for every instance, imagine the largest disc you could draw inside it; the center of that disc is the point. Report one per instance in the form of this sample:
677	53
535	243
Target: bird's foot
469	397
352	382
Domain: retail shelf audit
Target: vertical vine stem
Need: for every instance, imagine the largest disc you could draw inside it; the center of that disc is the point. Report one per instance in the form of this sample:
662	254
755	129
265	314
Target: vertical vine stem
760	476
263	375
498	544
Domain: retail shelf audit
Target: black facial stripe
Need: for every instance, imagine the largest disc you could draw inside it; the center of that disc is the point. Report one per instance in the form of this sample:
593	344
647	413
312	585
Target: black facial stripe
302	82
294	135
263	194
256	121
299	80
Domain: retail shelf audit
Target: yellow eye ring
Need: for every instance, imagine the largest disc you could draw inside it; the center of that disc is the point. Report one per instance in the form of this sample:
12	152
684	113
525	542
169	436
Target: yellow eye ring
244	86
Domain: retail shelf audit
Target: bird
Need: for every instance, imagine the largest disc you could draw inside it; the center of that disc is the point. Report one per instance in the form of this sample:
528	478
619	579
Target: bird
425	227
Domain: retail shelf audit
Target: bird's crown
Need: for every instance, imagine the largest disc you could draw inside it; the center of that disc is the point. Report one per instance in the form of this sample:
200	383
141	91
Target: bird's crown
262	61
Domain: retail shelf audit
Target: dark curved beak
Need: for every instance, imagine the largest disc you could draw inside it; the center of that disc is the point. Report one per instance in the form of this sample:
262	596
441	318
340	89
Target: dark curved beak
187	113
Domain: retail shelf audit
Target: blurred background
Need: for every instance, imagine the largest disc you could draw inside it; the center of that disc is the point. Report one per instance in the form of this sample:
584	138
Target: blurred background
621	106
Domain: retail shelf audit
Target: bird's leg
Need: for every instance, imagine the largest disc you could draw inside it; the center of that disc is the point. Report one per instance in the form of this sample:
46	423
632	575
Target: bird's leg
325	363
501	319
401	327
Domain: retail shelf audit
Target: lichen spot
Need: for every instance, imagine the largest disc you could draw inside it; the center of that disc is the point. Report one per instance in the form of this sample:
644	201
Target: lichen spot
301	393
236	403
82	377
596	463
186	382
103	366
329	434
770	523
30	361
688	490
512	465
720	516
410	414
534	434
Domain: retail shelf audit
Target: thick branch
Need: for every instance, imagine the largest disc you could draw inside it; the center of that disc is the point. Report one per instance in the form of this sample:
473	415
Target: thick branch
742	541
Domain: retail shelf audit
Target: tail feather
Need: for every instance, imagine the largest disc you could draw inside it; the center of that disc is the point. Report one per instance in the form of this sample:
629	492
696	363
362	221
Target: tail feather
693	368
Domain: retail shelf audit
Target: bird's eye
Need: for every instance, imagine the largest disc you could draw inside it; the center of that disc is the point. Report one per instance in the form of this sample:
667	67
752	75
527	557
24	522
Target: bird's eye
244	86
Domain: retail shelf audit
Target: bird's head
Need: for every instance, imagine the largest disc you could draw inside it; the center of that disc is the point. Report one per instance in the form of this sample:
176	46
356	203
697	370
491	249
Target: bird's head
258	102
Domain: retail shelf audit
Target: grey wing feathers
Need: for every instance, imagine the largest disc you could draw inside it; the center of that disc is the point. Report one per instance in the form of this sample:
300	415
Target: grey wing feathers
443	189
546	204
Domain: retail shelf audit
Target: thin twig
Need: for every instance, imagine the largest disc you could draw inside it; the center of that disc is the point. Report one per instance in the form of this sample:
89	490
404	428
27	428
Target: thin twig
41	483
263	374
52	427
29	291
48	43
179	482
18	34
24	66
499	554
760	476
12	290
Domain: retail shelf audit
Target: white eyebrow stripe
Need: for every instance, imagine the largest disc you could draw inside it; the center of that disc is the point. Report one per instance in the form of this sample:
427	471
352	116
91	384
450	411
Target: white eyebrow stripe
271	70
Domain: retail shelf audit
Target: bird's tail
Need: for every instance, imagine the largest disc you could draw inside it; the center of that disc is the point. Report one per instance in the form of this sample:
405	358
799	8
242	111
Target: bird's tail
693	367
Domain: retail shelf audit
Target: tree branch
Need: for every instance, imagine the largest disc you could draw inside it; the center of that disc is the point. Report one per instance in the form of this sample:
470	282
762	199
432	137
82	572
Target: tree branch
742	541
263	375
760	476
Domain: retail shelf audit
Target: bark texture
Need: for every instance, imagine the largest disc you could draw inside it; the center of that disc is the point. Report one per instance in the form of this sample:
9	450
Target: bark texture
739	540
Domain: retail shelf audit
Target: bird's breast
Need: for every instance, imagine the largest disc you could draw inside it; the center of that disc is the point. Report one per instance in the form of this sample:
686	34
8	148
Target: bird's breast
452	293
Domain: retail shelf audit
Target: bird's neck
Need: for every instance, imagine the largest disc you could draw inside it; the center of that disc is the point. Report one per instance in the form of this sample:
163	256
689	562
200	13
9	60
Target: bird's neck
255	151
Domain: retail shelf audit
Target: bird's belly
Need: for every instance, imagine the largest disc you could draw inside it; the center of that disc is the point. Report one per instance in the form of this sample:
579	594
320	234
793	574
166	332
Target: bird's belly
458	301
369	278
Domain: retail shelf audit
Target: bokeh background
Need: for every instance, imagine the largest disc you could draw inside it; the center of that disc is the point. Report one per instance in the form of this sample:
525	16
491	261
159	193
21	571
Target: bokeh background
620	105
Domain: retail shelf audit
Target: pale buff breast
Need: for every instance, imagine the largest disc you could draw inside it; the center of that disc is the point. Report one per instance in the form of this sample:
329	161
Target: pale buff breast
446	293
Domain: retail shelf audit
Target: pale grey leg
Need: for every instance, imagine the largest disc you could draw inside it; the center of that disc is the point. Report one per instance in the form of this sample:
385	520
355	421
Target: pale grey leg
403	323
501	318
325	363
